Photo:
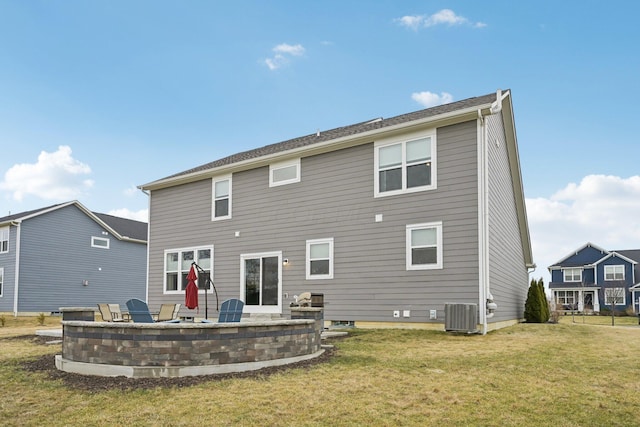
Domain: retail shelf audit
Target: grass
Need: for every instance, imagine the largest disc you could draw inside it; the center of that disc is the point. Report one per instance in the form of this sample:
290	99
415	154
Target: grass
568	374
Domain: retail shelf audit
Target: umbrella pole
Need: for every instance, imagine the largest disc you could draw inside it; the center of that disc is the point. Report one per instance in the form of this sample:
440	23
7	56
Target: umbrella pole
206	290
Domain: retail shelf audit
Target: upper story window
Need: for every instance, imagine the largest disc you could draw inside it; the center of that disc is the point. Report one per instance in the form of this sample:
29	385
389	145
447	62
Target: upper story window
177	263
572	274
221	208
424	246
4	239
320	259
614	272
284	173
99	242
405	166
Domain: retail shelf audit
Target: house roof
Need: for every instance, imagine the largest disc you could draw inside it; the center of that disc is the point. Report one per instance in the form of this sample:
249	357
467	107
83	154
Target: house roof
366	128
366	132
563	263
632	254
121	228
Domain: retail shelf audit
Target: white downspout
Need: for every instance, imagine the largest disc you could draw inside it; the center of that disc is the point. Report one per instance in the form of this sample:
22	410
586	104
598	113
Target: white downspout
17	264
486	305
482	231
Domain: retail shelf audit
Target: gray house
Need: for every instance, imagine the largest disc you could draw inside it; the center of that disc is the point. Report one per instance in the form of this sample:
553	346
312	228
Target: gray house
67	256
391	220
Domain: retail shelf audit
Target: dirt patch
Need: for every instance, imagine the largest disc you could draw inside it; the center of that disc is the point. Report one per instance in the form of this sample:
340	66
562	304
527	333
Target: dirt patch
94	384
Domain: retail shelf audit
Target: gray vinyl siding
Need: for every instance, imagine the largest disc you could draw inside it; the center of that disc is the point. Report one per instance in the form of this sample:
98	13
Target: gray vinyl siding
56	256
334	199
508	276
7	262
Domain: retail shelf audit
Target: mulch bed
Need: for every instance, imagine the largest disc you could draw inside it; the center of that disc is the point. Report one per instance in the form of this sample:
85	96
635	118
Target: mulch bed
95	384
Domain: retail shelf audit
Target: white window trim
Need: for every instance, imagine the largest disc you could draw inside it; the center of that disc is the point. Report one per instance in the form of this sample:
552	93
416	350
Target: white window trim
613	267
180	250
564	275
404	140
259	308
213	197
281	165
308	259
6	230
1	281
439	245
95	239
624	296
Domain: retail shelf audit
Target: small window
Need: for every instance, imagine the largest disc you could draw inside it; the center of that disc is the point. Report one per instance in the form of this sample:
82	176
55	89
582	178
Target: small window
407	166
572	274
99	242
320	259
615	296
424	246
221	198
284	173
4	239
613	272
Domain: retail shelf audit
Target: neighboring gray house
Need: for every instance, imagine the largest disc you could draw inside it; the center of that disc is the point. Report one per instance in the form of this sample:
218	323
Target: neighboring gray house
67	256
389	219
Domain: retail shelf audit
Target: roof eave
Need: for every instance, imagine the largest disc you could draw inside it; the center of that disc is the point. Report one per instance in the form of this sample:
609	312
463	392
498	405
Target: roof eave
321	147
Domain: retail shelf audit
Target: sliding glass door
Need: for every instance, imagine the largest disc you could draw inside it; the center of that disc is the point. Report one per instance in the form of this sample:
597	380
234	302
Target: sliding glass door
261	287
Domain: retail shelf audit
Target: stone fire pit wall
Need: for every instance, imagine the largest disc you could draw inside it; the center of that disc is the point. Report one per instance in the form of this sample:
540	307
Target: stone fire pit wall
176	345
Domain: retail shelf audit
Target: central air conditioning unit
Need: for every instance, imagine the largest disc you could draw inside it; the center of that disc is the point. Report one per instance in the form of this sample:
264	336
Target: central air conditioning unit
461	318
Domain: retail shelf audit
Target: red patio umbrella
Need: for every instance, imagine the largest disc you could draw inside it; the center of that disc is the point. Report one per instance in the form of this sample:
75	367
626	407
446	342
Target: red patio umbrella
191	292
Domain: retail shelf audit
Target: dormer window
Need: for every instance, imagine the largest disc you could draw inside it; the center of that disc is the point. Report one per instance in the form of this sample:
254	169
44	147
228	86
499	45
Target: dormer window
572	274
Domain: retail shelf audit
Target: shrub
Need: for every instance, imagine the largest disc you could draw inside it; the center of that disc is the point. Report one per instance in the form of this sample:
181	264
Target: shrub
2	320
40	319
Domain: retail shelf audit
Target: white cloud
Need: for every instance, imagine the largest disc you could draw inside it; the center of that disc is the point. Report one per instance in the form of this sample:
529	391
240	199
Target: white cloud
131	191
443	17
55	176
601	209
429	99
141	215
283	53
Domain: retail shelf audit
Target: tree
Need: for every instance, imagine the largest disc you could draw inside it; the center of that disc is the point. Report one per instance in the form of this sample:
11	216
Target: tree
614	295
533	305
545	312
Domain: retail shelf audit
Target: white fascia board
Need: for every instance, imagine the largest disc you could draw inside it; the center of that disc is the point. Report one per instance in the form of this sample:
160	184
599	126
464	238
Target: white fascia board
321	147
611	255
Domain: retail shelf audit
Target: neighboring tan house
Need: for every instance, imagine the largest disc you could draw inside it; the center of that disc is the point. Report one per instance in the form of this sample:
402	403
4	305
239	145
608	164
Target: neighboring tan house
591	279
67	256
388	219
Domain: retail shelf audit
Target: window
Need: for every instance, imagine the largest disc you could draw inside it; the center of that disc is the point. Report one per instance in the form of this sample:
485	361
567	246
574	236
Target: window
284	173
320	259
424	246
614	296
4	239
572	274
614	272
177	263
1	280
566	297
405	166
221	198
99	242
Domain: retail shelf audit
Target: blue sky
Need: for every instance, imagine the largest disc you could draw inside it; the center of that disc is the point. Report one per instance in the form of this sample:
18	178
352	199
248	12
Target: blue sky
97	97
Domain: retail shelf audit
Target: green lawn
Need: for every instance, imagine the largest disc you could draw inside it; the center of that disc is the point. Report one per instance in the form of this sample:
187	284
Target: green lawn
567	374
